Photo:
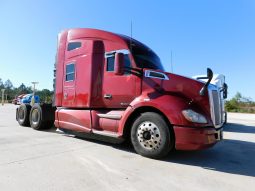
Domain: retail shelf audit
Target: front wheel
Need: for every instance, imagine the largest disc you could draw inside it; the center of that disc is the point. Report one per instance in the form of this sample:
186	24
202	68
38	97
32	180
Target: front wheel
151	136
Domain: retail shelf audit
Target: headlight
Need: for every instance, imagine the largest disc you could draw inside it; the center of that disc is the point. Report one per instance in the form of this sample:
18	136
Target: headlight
193	116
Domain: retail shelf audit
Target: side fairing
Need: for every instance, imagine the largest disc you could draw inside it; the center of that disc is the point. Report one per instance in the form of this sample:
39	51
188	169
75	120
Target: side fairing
60	57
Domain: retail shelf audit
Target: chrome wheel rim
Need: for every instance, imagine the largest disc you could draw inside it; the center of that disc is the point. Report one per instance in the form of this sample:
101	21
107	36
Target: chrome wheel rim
21	114
148	135
35	116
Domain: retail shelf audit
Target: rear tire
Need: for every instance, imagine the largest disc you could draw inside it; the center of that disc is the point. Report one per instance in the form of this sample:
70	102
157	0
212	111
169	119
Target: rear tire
151	136
39	118
22	114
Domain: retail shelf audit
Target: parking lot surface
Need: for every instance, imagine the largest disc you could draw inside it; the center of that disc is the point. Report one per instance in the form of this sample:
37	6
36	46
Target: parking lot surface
49	160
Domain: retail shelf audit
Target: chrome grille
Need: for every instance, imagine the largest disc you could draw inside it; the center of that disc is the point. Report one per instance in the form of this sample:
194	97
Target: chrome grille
216	108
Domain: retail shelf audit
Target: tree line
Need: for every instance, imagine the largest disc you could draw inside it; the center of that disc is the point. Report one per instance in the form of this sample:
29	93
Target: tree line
12	92
240	104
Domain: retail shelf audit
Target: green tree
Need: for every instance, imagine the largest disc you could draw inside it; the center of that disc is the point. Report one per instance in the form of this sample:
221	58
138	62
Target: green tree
232	105
1	84
238	97
8	89
240	104
22	89
45	95
8	84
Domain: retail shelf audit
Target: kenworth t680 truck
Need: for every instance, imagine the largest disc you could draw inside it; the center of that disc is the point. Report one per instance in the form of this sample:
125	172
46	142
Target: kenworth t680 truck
112	87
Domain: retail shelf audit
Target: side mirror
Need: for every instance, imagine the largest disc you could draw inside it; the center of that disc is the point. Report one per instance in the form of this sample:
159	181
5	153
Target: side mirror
225	91
209	73
119	64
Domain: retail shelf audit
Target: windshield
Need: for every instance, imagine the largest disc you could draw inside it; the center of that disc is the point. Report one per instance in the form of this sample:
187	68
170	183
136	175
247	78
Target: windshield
145	57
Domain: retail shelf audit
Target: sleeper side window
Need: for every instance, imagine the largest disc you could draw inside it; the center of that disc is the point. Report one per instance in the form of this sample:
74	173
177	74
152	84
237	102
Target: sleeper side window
70	72
73	46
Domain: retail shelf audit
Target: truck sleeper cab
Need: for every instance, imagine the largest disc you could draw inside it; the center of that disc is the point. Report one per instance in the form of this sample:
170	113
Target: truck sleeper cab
111	87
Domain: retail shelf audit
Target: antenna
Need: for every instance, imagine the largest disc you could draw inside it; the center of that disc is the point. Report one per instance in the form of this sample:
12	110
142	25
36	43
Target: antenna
172	61
131	35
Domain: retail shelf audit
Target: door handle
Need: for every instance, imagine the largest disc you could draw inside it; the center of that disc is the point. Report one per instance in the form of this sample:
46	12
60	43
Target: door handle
107	96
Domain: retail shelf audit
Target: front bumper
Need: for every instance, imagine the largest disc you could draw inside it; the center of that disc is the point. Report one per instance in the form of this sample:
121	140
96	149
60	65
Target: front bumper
187	138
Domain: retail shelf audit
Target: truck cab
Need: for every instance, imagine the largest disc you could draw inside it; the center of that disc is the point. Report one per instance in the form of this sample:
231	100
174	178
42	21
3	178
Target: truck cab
112	87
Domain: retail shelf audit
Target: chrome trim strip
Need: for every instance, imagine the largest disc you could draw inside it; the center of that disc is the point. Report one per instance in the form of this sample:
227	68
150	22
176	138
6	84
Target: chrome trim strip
218	126
212	109
109	116
211	106
148	75
104	133
111	53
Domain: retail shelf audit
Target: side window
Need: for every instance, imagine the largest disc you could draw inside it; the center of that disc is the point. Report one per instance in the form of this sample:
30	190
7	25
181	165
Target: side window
111	60
127	64
70	72
110	63
73	45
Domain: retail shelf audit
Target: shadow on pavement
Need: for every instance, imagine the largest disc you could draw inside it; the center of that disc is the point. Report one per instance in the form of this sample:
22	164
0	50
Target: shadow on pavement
238	128
229	156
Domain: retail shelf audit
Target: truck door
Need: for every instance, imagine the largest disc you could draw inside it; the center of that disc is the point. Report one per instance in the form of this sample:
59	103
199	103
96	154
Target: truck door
119	90
72	54
69	84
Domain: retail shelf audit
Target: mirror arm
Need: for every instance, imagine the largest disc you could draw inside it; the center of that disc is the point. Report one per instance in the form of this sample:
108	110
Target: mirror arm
134	71
209	76
119	64
202	78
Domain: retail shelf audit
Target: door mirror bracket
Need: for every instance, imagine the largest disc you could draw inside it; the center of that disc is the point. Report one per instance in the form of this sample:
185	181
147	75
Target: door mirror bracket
119	64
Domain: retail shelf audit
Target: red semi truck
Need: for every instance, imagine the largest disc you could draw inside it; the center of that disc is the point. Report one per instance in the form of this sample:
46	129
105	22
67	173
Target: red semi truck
112	87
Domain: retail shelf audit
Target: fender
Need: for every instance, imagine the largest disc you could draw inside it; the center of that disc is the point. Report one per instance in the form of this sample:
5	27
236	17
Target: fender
168	105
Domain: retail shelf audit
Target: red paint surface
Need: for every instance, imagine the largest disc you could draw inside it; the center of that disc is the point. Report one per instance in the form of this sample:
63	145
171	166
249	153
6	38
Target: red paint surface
76	120
83	99
194	139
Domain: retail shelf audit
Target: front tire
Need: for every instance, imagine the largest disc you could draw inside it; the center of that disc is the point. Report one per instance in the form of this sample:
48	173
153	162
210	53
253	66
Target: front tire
151	136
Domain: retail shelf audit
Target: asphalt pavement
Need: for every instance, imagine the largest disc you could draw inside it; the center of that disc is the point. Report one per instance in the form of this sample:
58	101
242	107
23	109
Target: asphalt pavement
52	161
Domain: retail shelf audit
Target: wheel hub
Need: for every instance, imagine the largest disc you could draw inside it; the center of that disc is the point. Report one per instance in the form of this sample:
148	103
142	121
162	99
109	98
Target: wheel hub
21	113
148	135
35	116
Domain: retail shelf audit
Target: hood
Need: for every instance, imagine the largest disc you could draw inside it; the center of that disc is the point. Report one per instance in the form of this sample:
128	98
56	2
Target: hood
182	87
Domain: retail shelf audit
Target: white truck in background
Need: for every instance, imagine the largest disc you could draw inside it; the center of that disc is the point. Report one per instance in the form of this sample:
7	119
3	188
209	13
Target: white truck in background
218	80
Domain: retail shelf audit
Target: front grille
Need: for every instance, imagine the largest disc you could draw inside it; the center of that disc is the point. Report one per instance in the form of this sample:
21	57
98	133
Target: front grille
216	108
